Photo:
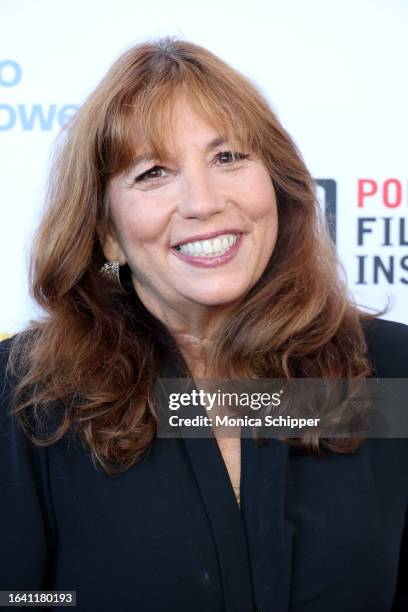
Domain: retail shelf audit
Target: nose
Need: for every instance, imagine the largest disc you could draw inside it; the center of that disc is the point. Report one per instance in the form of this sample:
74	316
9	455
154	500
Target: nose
201	198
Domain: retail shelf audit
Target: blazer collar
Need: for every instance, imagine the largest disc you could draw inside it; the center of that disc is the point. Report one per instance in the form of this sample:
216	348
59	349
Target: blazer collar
270	535
254	544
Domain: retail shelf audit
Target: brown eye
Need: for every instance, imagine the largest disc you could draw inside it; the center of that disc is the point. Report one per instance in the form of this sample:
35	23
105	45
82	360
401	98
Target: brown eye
153	173
231	156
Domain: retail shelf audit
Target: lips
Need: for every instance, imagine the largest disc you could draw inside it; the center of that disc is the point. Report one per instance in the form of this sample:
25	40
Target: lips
210	247
209	252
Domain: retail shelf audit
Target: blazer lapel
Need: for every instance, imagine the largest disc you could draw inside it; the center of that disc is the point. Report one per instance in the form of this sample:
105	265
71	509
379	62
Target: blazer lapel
270	535
218	499
226	522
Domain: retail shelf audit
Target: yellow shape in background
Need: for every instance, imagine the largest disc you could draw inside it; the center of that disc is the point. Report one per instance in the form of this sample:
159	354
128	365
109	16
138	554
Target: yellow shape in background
4	336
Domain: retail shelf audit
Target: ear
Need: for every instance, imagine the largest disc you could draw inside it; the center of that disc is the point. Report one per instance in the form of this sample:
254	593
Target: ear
112	249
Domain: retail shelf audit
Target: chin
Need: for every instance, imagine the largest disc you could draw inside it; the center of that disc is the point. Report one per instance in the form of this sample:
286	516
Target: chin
216	298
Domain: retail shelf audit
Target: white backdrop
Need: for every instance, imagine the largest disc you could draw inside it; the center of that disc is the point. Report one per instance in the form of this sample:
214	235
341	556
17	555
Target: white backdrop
335	73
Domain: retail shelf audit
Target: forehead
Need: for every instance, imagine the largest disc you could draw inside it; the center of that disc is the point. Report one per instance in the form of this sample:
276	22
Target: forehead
188	130
181	123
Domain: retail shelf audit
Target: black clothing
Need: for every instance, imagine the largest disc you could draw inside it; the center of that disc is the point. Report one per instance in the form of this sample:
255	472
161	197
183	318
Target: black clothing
312	535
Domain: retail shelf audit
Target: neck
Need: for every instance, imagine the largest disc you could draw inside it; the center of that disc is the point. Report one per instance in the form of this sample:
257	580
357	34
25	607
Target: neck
194	350
193	326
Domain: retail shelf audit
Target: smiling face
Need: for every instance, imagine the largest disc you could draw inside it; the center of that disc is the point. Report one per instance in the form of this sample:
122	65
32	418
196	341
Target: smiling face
197	228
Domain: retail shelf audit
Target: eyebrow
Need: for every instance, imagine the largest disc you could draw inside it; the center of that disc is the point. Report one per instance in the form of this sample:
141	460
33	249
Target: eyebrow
149	156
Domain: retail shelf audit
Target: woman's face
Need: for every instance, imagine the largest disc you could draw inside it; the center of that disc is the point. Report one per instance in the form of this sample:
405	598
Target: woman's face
197	228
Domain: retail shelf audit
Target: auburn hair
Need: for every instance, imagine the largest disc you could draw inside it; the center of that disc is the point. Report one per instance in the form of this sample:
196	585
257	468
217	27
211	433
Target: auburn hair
94	357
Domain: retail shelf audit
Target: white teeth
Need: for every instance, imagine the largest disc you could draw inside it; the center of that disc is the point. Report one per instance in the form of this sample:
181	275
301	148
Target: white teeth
217	245
209	248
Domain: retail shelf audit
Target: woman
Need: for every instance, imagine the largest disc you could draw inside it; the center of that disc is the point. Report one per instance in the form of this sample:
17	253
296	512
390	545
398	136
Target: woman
178	182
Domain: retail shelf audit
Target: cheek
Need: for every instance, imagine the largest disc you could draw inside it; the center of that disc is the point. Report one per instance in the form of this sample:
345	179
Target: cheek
261	200
141	223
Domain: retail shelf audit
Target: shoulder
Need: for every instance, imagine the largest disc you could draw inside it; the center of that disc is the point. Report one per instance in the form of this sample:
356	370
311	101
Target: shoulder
5	378
387	347
5	347
11	371
15	346
15	448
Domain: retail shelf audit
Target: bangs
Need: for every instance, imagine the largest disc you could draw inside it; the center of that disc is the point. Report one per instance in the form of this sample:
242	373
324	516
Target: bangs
146	123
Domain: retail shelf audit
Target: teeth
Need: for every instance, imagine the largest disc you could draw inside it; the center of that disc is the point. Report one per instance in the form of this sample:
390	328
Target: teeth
209	248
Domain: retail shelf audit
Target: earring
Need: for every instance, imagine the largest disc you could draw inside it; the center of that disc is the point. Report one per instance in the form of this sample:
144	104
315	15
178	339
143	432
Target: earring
110	270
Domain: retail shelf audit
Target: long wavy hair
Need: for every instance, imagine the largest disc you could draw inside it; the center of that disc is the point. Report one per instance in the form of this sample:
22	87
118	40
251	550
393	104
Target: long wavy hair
94	357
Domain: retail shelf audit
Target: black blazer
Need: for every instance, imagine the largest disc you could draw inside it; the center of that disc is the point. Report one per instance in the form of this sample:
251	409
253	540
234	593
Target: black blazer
312	535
